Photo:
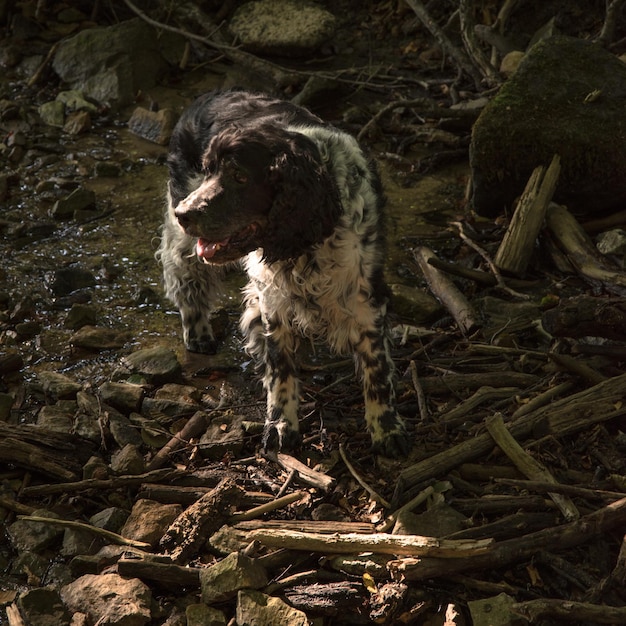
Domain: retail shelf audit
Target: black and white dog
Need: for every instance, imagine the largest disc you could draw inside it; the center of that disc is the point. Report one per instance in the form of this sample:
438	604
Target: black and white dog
268	184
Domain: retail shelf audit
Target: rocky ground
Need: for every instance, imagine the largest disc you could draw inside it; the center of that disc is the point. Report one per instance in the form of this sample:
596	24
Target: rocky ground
133	490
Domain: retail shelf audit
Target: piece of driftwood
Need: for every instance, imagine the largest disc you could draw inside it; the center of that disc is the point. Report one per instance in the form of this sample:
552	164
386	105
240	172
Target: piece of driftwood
581	253
585	316
328	599
599	403
508	526
194	427
517	245
379	543
528	465
558	538
452	383
484	394
313	526
572	490
446	292
569	611
194	525
309	476
166	574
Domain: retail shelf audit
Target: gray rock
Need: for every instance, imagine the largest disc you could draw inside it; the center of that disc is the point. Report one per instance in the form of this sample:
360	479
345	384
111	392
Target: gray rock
74	100
612	242
34	536
96	339
413	305
225	434
258	609
80	315
6	404
222	581
57	385
76	123
111	64
149	520
157	365
55	418
203	615
52	113
30	566
80	542
284	27
112	518
43	607
122	429
78	200
155	126
494	611
109	599
567	97
69	279
124	397
128	461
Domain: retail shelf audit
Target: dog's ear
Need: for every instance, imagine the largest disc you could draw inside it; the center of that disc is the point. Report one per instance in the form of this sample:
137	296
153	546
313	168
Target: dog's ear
306	205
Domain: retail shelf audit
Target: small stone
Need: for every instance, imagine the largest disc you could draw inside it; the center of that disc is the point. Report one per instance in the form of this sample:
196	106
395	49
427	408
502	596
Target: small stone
69	279
95	468
224	435
122	429
77	122
57	385
155	126
28	330
80	542
221	582
203	615
78	200
612	242
282	27
52	113
96	339
107	169
254	607
128	461
413	305
30	566
74	100
157	365
495	611
112	518
124	397
56	419
149	520
34	536
80	315
43	607
511	62
109	599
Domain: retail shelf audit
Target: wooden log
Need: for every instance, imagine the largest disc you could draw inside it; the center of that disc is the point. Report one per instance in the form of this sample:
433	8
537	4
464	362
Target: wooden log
522	548
166	574
328	599
585	316
599	403
194	525
379	543
581	253
569	611
309	476
519	239
446	292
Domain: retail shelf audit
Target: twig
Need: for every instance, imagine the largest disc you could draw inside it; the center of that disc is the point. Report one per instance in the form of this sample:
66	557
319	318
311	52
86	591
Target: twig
613	9
471	46
419	392
281	492
442	39
257	511
409	506
107	534
375	496
494	270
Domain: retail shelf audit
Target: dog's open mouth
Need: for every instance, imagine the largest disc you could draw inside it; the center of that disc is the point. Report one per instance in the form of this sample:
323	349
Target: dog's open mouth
230	248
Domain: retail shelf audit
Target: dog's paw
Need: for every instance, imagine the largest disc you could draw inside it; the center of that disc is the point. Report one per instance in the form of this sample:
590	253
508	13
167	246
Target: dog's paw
203	345
280	435
389	435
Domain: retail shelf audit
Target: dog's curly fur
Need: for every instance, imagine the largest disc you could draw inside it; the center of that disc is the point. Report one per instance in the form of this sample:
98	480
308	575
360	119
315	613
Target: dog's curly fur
263	182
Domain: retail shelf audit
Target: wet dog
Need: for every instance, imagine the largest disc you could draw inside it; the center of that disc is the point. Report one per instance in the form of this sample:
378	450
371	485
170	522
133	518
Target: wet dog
266	184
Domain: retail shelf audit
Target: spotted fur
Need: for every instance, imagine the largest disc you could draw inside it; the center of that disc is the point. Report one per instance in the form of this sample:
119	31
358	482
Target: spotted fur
305	224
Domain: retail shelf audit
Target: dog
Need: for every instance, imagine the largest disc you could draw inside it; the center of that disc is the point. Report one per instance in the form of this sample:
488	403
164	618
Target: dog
261	182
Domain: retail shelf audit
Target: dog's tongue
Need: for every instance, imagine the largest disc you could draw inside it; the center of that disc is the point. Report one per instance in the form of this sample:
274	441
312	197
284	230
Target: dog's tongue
206	249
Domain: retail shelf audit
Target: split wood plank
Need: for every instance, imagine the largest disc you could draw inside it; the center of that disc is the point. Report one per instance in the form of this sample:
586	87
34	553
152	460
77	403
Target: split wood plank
518	242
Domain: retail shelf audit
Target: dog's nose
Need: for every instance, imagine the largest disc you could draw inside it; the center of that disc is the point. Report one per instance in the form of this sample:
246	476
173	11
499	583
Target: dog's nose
185	215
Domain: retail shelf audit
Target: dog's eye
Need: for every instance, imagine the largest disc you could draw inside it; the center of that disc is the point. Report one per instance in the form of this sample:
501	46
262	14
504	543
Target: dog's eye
239	176
210	168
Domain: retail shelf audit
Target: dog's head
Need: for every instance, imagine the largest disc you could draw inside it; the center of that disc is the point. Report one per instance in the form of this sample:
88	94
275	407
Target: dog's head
262	187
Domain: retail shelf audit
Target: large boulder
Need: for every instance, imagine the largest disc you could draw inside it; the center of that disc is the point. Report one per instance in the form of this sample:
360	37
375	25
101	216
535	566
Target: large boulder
111	64
567	97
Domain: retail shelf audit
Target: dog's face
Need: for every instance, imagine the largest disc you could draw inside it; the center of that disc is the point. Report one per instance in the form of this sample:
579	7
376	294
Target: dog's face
228	211
262	187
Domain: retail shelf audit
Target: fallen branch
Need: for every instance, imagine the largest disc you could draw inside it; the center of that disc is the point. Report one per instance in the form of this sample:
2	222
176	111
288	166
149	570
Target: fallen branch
527	465
569	611
378	543
522	548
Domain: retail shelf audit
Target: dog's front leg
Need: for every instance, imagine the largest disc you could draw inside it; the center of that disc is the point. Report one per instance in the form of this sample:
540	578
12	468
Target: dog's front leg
273	346
386	427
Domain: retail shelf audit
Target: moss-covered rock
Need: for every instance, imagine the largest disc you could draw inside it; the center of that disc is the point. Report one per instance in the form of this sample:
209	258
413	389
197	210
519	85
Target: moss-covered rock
567	97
